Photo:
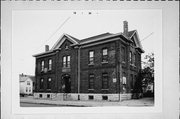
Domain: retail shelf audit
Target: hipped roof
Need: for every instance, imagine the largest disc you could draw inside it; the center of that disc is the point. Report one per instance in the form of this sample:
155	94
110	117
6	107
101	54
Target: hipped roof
103	36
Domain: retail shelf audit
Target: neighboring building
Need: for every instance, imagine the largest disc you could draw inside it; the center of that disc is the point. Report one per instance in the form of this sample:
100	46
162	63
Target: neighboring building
102	67
26	84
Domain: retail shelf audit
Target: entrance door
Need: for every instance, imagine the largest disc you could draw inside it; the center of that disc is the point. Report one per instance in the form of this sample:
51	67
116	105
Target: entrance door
67	84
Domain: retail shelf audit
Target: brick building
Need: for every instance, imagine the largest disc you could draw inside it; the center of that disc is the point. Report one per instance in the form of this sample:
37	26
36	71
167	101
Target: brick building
102	67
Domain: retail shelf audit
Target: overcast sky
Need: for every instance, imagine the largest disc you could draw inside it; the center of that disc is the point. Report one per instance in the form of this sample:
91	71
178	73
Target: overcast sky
32	30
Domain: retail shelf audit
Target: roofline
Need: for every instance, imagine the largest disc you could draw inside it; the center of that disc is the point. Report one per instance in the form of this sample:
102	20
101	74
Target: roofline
64	34
43	53
106	37
113	35
133	33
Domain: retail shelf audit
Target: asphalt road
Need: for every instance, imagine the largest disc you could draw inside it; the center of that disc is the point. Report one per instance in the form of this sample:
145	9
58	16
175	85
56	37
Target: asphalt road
36	105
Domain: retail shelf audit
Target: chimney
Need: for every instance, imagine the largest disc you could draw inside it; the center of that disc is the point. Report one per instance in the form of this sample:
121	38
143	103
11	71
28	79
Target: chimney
125	32
46	48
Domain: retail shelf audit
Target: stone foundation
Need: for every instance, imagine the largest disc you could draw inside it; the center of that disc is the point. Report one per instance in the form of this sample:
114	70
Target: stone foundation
83	96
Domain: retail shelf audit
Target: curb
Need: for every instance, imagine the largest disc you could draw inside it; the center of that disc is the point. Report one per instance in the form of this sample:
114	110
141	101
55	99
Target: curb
56	104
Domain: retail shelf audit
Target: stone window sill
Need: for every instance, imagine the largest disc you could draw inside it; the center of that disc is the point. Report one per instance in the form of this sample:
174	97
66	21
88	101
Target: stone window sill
105	62
91	64
104	89
90	89
123	62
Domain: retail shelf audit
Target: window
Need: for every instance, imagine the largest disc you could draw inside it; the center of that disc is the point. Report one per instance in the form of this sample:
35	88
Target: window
91	81
132	85
29	89
124	78
66	61
26	89
42	65
130	57
105	55
50	64
28	82
66	47
91	57
104	81
48	95
49	83
41	83
135	59
123	54
104	97
91	97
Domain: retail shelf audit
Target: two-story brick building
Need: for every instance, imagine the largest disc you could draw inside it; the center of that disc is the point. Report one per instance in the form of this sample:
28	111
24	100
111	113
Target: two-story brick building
102	67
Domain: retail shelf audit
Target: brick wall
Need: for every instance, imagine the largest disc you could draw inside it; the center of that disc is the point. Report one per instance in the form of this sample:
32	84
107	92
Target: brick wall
98	68
115	68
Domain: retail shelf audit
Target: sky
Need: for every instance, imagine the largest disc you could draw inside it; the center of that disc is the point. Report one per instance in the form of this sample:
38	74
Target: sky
33	29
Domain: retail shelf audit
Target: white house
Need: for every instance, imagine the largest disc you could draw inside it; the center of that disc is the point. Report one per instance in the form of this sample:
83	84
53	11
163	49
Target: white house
26	84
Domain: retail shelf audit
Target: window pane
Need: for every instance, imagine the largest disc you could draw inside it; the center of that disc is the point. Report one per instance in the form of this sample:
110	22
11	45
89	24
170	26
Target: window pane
64	61
41	83
91	81
68	58
50	64
105	52
91	54
91	57
42	65
49	83
123	53
105	81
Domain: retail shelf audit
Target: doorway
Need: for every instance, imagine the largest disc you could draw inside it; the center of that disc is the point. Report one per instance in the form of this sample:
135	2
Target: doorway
66	84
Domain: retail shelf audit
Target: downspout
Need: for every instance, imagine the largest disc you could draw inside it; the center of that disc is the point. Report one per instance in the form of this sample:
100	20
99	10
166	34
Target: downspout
79	72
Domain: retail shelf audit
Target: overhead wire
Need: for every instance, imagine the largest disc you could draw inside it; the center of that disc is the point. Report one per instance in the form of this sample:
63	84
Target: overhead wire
53	33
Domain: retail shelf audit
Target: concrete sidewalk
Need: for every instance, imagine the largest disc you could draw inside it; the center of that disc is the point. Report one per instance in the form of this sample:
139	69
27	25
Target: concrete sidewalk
132	102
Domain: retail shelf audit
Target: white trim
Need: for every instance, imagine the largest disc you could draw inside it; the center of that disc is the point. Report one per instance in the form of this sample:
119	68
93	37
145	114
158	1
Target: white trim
61	41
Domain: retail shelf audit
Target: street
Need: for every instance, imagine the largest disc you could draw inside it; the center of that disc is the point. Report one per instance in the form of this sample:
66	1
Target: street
22	104
30	101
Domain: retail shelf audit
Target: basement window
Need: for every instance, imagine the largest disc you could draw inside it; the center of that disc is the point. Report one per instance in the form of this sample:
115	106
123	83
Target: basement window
40	95
91	97
48	95
104	97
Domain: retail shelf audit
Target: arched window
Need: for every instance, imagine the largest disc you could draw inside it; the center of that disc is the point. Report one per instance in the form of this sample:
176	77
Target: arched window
41	83
49	83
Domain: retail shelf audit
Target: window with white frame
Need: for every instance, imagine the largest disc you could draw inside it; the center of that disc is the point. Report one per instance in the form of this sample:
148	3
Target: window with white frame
42	65
50	64
104	55
130	57
91	57
26	89
66	61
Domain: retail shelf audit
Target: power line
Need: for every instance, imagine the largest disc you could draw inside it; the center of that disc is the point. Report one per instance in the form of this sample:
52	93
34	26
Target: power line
147	36
54	32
